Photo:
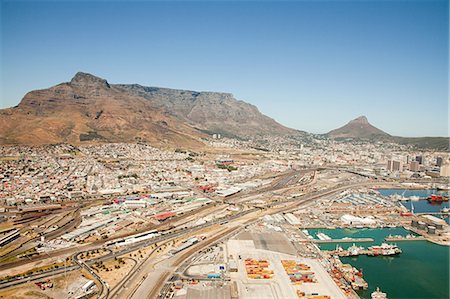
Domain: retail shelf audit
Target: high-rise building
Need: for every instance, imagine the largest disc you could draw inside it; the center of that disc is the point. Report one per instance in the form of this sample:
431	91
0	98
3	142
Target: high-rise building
420	159
445	170
414	166
393	165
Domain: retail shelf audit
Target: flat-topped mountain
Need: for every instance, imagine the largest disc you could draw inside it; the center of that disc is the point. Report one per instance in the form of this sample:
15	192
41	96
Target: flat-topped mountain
357	128
211	112
88	108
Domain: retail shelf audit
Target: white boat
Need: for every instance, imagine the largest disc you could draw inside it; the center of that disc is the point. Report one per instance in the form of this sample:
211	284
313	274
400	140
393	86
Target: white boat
339	248
378	294
396	197
414	198
354	250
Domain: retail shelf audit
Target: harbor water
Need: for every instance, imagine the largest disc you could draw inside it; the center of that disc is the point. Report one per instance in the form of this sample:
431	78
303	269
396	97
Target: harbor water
421	206
420	271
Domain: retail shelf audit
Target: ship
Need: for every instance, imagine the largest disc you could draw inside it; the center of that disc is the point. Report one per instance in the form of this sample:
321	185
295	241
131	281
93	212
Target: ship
444	187
384	250
354	250
433	198
409	213
406	214
378	294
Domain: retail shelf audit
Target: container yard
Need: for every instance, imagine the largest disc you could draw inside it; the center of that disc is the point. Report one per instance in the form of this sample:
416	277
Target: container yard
287	275
258	269
298	272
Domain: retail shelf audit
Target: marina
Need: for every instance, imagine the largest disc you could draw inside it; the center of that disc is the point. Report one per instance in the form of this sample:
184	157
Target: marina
421	207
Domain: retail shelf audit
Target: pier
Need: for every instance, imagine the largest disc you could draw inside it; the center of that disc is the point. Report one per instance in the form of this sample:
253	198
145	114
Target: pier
346	240
394	239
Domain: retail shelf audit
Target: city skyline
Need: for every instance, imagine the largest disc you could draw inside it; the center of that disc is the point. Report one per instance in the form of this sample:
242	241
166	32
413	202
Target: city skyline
310	66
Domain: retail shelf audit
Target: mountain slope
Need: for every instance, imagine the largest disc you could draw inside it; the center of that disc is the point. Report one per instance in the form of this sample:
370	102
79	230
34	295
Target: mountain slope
88	108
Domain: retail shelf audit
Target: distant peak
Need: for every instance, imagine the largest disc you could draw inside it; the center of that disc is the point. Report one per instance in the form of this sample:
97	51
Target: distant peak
85	79
362	120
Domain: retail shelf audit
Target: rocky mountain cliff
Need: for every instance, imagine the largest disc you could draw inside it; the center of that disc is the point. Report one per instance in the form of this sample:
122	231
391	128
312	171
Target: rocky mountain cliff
210	112
88	109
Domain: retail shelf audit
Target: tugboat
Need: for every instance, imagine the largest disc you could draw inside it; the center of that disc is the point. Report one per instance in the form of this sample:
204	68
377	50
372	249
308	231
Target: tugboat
378	294
437	198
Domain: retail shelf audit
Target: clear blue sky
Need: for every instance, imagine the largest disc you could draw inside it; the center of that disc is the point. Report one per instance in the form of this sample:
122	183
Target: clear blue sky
311	65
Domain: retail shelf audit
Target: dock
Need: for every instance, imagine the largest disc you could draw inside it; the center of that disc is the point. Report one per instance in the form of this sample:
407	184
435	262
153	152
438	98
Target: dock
395	239
347	240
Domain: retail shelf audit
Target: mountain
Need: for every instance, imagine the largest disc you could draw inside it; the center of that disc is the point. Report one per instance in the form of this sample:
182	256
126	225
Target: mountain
358	128
89	109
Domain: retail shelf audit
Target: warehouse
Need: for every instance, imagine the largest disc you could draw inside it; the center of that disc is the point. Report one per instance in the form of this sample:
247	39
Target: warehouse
164	216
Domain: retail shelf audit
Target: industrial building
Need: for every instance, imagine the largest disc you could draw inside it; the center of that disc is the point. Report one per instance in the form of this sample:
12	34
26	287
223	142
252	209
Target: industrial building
353	220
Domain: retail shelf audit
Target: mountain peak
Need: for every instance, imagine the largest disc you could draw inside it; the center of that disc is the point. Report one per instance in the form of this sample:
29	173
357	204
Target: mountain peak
88	80
358	128
361	120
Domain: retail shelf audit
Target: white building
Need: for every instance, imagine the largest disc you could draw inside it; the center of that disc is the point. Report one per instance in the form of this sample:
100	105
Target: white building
353	220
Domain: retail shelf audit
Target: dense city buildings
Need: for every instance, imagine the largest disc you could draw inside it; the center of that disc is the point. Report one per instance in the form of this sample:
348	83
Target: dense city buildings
89	203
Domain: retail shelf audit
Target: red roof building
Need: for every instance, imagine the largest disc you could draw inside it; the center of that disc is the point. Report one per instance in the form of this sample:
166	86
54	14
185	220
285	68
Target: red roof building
164	216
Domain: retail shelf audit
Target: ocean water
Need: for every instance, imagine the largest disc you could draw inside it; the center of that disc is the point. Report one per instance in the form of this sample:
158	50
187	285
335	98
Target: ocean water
420	271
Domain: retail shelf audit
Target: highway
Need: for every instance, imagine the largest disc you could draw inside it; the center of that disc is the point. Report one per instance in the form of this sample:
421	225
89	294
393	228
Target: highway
104	288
